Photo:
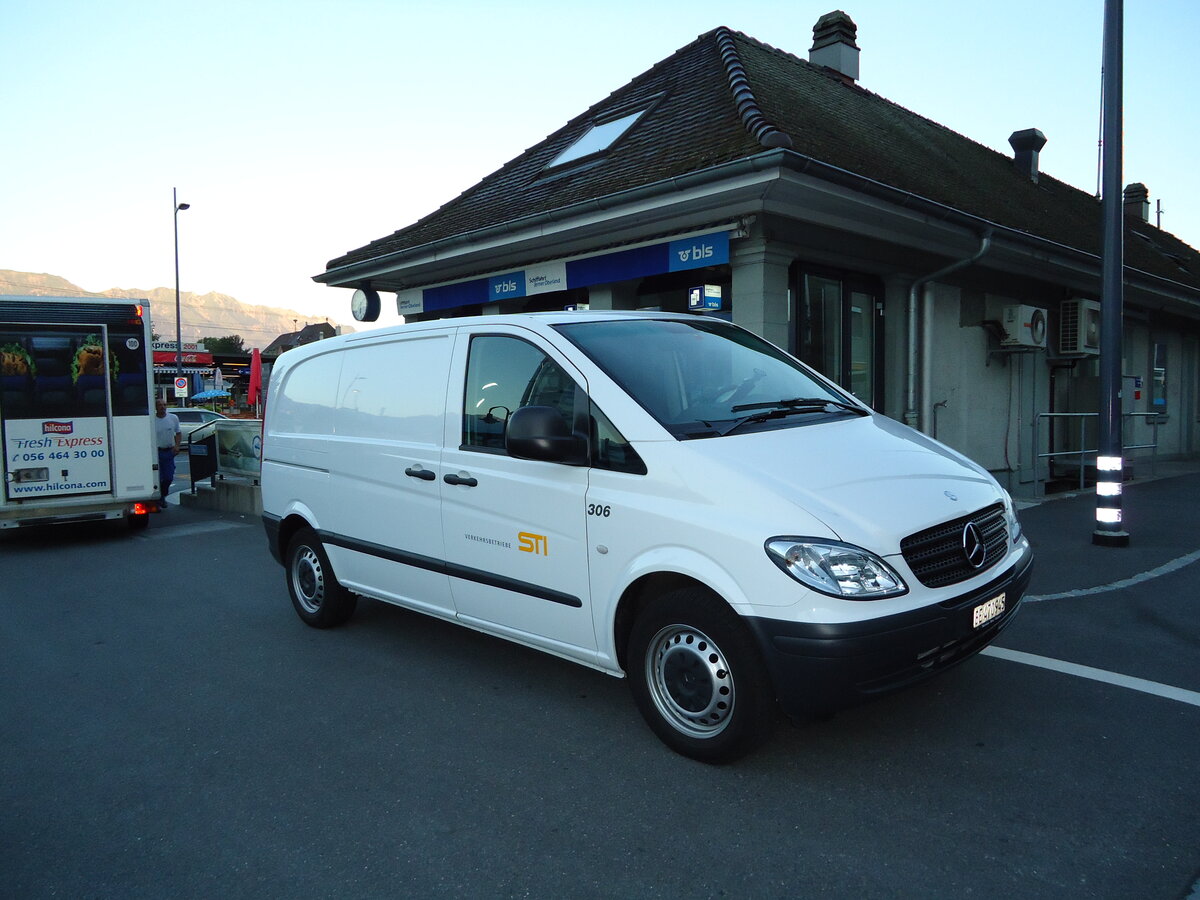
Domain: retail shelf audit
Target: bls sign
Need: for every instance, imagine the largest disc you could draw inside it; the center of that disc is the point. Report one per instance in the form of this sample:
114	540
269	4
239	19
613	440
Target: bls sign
695	253
698	252
533	543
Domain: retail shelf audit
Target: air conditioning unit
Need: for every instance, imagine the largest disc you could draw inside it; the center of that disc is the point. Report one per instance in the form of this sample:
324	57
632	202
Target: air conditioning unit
1024	326
1079	328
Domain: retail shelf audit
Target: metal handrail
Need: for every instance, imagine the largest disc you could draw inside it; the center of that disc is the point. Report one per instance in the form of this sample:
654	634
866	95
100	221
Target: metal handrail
1083	453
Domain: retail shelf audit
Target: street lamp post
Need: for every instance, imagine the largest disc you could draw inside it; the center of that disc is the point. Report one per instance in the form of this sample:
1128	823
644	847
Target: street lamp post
178	320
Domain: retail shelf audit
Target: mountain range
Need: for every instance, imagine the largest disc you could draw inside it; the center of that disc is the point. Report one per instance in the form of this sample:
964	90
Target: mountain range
203	315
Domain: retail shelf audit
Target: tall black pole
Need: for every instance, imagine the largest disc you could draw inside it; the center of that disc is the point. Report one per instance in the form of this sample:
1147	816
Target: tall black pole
1110	529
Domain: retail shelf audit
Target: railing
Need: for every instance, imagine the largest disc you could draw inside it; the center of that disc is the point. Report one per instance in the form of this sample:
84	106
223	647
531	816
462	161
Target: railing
1083	454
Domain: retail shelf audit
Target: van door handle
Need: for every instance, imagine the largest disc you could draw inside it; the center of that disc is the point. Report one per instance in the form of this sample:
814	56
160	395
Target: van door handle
465	482
418	472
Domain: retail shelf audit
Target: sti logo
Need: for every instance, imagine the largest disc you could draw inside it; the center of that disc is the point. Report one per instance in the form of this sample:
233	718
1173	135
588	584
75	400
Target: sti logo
695	253
58	427
533	543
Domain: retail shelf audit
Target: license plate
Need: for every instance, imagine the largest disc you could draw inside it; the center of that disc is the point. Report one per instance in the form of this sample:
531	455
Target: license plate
985	612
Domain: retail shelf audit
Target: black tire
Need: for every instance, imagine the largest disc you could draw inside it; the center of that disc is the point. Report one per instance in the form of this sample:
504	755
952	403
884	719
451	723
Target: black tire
138	521
319	599
698	677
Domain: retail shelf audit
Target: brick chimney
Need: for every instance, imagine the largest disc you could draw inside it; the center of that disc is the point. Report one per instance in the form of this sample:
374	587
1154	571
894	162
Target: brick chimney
1137	201
1026	146
833	45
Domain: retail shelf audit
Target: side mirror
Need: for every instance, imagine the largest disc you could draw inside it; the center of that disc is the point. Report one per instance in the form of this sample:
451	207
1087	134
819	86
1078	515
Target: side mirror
540	432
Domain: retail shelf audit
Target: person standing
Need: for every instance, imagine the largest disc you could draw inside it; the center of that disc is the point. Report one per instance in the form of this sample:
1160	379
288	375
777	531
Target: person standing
166	434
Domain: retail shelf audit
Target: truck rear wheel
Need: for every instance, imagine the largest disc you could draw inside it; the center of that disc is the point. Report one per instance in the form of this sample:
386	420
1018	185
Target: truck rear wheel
698	678
319	599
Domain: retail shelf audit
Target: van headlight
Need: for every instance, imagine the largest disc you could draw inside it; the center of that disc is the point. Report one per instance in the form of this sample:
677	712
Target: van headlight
840	570
1010	519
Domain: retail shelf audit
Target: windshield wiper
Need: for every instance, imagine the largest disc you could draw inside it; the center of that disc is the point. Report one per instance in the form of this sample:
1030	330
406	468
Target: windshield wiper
777	409
802	404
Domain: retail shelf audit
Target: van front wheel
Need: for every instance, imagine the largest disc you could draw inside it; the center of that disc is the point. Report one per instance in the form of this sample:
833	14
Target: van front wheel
698	678
319	599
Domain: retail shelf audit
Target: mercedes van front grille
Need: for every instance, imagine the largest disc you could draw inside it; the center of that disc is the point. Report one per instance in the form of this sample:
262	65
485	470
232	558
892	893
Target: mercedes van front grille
959	549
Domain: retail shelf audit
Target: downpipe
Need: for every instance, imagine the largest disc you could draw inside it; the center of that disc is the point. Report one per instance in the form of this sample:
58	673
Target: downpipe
911	416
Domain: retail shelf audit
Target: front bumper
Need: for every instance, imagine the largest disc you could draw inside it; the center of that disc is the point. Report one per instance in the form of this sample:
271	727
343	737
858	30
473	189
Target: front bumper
818	667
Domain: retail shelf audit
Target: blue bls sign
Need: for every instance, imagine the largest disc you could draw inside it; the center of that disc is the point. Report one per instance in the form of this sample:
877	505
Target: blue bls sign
697	252
705	297
506	287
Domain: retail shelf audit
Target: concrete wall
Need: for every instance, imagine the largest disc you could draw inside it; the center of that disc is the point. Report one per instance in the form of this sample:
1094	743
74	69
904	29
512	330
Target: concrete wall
979	400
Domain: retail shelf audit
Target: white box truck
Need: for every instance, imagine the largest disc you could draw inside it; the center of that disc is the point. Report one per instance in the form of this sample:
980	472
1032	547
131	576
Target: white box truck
76	411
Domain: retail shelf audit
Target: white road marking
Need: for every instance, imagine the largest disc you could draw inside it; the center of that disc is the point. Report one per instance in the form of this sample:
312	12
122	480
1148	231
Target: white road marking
1165	569
174	531
1125	681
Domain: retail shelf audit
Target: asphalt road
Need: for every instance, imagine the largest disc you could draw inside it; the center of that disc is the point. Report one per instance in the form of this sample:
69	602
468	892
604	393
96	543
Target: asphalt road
168	727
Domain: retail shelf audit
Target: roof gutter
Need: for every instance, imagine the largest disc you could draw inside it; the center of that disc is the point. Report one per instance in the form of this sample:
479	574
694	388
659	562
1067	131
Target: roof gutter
906	200
353	274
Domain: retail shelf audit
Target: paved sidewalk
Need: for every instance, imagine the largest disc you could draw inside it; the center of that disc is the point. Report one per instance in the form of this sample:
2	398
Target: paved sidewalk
1162	517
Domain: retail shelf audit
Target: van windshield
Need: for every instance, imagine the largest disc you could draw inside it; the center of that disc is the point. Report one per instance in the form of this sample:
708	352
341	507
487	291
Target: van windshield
705	378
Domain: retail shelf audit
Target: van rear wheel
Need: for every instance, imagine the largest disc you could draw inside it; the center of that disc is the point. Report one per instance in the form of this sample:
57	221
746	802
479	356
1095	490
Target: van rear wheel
698	678
319	599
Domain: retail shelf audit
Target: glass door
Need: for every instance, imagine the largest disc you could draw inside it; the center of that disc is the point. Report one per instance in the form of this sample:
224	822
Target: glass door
839	332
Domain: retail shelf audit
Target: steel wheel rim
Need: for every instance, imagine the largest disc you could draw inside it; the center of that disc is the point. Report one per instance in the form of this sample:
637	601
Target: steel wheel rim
308	580
690	681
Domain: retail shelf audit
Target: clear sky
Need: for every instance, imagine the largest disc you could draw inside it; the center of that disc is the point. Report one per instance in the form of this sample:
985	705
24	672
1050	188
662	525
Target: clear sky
301	129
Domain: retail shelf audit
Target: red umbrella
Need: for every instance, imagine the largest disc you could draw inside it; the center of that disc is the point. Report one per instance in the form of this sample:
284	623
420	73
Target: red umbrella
255	390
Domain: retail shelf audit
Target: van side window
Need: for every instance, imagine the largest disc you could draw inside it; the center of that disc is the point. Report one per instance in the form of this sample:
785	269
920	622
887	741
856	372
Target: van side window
610	450
504	374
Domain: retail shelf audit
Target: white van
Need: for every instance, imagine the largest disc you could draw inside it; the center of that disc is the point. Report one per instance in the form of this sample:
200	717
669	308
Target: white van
664	497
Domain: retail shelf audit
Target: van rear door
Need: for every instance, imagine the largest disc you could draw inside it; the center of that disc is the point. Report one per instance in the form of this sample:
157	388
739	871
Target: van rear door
56	411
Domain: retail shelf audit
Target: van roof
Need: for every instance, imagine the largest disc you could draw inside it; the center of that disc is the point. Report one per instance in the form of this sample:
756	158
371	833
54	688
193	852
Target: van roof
533	320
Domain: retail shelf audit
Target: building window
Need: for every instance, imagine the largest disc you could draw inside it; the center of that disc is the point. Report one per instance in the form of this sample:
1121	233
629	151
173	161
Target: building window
838	330
597	139
1158	378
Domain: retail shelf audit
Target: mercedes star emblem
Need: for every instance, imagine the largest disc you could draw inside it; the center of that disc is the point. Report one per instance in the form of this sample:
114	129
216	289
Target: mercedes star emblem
973	546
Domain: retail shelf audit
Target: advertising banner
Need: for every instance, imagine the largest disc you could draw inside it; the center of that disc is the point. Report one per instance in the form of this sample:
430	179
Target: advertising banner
56	457
239	447
58	384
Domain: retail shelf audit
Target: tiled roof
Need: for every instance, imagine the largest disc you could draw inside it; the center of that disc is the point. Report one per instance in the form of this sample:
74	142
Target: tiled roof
725	97
695	126
306	335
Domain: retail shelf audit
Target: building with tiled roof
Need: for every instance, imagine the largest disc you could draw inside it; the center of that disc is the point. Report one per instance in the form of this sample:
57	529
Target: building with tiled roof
944	283
306	335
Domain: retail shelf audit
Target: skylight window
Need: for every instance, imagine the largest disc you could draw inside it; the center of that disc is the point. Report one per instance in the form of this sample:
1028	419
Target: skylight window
596	139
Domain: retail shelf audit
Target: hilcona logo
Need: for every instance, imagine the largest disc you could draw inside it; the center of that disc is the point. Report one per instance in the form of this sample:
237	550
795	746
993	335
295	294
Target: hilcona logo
58	427
695	253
